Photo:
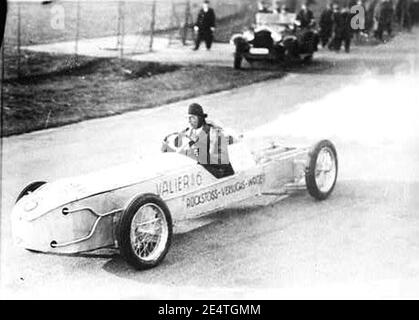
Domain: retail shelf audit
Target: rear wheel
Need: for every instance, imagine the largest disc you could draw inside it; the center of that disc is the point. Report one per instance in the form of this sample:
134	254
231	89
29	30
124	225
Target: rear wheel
30	188
322	171
145	232
290	50
238	58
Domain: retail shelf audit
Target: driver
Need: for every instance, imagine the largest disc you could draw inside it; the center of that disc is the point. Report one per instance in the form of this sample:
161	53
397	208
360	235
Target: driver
205	142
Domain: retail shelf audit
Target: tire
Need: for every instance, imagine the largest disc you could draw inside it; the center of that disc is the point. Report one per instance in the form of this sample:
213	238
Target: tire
308	59
323	150
238	61
290	50
132	248
30	188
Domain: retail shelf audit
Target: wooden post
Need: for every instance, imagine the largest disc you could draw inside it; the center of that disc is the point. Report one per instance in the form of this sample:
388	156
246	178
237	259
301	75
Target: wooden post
120	29
152	25
118	26
402	17
18	38
121	52
171	23
76	46
186	23
2	45
2	93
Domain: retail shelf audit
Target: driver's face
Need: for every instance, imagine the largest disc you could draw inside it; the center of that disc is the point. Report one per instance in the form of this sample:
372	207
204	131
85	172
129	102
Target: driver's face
193	121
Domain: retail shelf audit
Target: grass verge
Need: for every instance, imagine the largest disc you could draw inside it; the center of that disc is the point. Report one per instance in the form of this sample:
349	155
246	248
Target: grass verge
104	87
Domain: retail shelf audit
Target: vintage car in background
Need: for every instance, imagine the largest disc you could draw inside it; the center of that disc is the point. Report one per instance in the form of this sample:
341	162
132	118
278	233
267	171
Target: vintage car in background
134	207
276	37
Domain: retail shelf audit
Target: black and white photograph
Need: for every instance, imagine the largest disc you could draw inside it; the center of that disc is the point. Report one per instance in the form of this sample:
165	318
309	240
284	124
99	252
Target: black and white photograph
209	150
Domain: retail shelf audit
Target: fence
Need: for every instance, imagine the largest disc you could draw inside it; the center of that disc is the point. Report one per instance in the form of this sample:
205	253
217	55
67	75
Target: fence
133	24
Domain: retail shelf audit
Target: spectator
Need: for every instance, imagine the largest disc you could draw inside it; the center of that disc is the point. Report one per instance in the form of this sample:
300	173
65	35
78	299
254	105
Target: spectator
414	11
277	8
342	29
326	25
205	26
403	12
281	7
336	40
347	31
370	24
305	17
284	9
263	7
384	18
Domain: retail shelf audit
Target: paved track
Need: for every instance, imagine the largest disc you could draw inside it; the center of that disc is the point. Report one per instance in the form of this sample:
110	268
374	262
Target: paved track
362	242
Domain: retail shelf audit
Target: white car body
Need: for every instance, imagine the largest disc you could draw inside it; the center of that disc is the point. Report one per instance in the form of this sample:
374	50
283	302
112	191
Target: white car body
82	213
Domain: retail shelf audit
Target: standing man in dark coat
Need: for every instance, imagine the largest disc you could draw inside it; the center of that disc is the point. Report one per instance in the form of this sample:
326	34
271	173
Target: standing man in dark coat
305	17
404	17
307	39
347	30
326	25
336	41
370	7
205	26
342	30
384	17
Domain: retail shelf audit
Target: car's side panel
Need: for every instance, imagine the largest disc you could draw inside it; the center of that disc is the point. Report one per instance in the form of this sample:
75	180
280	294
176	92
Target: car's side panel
190	191
283	168
87	223
75	227
220	194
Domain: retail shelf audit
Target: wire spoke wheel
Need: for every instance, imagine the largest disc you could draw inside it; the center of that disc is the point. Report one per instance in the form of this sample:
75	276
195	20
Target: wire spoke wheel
325	170
145	231
149	231
321	173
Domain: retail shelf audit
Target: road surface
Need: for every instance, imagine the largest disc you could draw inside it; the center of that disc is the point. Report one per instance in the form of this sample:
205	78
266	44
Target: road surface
363	242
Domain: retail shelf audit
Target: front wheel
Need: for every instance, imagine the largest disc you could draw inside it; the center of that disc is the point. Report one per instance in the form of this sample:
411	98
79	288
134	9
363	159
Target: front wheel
145	232
308	59
238	58
321	174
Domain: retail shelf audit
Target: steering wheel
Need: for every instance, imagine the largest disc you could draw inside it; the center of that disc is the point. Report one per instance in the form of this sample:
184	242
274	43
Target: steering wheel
171	141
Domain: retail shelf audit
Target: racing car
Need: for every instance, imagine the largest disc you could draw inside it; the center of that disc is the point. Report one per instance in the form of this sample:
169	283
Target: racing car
134	207
276	38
